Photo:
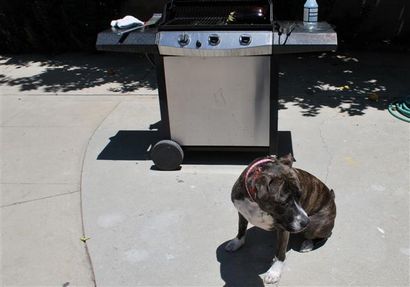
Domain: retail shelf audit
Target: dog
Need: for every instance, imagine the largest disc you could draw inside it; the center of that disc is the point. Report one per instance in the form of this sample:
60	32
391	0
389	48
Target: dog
273	195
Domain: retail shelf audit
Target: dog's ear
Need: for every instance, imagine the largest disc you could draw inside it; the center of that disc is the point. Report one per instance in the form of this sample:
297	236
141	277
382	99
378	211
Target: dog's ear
287	159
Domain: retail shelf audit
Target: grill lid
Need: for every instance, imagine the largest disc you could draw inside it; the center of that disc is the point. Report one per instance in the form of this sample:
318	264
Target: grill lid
217	15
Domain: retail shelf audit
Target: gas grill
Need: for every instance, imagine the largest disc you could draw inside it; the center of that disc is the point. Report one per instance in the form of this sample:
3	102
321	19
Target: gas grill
217	73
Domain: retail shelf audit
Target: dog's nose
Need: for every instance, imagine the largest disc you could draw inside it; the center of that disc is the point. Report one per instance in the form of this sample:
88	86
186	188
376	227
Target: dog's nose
304	222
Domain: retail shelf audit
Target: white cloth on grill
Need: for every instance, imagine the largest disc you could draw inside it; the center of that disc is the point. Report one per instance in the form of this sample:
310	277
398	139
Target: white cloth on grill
126	22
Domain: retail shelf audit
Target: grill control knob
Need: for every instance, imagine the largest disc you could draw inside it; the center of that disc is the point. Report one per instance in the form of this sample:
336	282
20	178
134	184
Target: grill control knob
213	39
245	39
183	40
198	44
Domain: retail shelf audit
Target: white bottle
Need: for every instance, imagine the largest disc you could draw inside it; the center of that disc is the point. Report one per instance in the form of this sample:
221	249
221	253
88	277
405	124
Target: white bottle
310	12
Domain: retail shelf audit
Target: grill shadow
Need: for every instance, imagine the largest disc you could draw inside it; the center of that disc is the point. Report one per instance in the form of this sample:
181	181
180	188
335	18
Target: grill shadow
235	157
136	145
130	145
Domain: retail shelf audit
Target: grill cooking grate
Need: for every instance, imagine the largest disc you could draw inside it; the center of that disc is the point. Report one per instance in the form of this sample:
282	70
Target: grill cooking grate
195	21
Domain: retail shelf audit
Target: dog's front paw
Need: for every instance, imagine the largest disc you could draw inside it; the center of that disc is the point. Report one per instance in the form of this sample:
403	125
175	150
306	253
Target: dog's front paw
235	244
274	273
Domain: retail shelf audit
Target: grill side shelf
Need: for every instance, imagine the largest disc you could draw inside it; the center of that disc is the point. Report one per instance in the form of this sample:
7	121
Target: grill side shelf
299	38
133	42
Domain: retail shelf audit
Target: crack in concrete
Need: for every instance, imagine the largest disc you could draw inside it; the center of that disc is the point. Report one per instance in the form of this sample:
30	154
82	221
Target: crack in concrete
322	138
39	183
37	199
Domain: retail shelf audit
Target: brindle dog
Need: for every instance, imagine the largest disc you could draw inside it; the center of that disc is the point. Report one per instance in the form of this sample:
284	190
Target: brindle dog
273	195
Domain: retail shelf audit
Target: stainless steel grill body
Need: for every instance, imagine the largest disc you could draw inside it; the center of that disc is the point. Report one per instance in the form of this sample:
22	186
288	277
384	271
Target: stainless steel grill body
218	101
218	92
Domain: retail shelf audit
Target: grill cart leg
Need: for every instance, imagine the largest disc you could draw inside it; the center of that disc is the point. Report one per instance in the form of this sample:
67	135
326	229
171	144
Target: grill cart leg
274	106
167	155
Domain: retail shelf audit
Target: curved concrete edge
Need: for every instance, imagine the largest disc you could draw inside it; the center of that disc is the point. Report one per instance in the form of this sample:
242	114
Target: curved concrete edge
84	237
118	118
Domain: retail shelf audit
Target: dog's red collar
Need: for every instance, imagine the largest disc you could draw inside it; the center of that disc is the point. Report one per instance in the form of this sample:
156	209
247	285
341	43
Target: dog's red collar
252	190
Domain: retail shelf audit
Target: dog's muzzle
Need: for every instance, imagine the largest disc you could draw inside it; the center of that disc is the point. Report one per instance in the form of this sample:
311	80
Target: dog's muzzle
300	220
299	223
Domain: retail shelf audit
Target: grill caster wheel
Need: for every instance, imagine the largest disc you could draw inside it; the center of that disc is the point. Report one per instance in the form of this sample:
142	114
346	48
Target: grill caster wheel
167	155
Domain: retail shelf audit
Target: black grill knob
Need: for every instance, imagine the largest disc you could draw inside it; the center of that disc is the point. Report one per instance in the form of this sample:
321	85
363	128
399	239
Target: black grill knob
198	44
183	39
213	39
245	39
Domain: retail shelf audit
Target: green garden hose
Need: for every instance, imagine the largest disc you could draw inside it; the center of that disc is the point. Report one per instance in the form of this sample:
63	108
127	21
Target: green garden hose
401	109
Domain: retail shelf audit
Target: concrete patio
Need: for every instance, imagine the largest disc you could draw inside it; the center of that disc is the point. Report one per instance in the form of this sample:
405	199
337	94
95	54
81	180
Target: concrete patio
75	130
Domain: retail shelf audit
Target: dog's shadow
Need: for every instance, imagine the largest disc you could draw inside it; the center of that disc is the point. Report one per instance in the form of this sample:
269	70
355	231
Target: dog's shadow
242	268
